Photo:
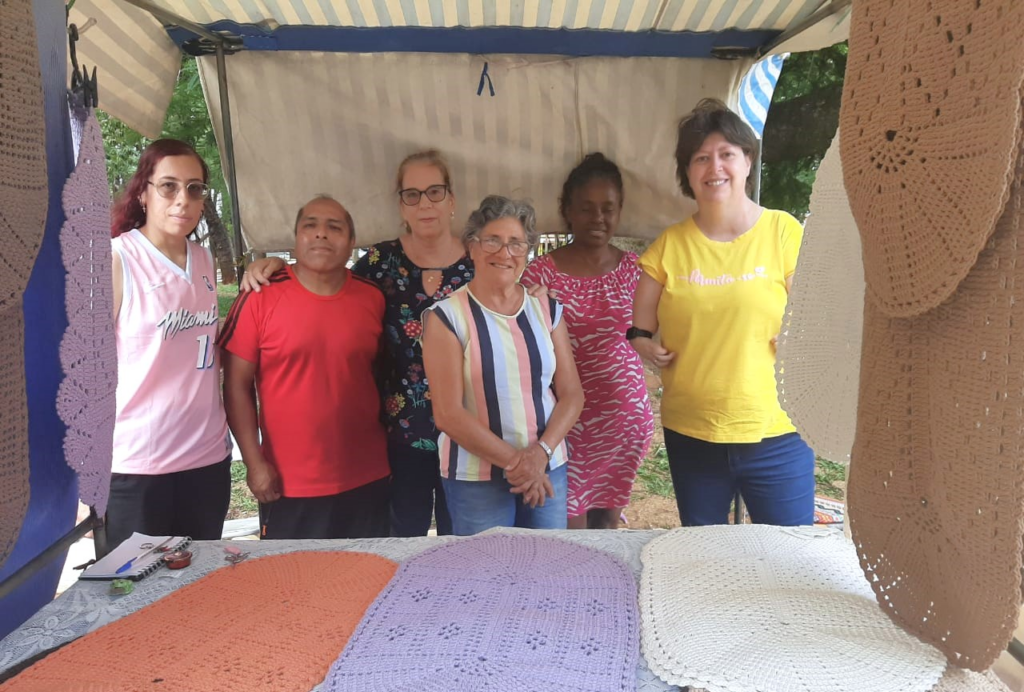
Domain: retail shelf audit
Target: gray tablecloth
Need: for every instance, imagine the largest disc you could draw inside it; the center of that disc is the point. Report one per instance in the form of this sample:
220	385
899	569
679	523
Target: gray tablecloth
87	605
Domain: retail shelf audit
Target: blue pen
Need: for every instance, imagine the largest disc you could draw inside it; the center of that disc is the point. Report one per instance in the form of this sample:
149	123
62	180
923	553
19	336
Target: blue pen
128	565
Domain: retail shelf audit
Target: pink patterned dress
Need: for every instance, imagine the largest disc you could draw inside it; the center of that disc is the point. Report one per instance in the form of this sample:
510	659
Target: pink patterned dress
614	431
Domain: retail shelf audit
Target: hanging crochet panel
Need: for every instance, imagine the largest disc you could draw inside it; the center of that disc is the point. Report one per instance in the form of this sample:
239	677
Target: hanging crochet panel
498	612
85	400
273	623
936	482
929	120
818	362
23	202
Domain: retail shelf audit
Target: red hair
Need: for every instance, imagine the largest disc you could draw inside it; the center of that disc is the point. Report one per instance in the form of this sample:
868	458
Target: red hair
127	212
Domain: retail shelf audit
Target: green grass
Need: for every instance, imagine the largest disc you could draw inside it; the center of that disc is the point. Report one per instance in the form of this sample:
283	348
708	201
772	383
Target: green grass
226	294
653	476
243	504
826	474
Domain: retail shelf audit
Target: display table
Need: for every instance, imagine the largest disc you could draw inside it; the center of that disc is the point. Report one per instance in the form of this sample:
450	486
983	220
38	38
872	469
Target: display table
87	606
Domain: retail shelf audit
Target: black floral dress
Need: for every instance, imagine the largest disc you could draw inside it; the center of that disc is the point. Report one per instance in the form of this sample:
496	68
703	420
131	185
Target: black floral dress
410	419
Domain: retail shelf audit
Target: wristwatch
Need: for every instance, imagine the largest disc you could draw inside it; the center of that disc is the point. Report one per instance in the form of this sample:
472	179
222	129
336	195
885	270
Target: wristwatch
637	333
547	450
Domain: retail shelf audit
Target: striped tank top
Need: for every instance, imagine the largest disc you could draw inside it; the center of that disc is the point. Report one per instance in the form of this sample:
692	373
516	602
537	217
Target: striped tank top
508	366
169	412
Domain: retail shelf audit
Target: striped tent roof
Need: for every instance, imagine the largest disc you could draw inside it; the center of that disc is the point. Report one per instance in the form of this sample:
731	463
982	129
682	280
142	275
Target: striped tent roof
615	15
139	60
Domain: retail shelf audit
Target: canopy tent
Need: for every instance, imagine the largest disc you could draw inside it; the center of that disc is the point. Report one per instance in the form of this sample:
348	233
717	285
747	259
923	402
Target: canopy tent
524	90
514	92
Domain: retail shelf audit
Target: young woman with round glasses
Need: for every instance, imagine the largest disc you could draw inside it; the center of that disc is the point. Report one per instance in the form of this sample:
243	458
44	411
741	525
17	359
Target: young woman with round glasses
172	455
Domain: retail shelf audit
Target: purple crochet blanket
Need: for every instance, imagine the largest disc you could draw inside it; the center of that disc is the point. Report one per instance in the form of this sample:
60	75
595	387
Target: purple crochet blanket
498	612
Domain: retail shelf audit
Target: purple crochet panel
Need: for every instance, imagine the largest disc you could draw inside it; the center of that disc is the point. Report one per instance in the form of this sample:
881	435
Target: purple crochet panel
88	353
498	612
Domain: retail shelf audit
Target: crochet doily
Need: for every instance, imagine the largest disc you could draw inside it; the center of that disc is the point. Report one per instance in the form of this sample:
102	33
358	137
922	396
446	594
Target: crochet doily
936	484
273	623
23	200
960	680
953	680
818	361
930	130
762	608
88	356
498	612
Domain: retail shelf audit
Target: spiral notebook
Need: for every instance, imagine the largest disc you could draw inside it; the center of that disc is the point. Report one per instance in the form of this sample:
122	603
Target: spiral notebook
136	557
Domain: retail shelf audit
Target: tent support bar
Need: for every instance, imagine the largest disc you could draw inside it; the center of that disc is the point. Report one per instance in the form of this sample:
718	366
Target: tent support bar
1016	650
832	8
755	171
170	18
229	151
45	558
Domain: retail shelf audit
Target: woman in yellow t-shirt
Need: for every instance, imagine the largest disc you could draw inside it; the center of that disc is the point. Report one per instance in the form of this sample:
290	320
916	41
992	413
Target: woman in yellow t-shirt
716	286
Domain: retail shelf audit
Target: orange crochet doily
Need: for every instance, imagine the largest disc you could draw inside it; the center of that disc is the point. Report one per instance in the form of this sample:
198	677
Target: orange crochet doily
274	623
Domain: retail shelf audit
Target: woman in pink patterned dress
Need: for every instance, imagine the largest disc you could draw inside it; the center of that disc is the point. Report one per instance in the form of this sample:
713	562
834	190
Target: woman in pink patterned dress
595	282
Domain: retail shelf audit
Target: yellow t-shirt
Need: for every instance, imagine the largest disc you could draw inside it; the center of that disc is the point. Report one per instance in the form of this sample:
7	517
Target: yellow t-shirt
721	305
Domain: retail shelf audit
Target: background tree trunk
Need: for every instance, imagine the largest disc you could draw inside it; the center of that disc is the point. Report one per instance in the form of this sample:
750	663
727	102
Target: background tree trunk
220	242
803	126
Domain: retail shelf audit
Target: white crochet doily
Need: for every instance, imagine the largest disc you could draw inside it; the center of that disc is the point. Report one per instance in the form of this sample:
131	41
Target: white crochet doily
770	609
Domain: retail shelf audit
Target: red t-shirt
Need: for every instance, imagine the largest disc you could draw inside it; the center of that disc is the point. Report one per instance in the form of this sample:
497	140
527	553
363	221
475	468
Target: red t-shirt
319	402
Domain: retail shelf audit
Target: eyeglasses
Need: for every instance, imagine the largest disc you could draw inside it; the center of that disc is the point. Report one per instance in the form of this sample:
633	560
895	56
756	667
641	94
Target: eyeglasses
411	196
169	189
491	245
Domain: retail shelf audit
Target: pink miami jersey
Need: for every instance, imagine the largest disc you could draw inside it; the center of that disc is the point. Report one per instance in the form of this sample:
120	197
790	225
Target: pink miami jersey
169	412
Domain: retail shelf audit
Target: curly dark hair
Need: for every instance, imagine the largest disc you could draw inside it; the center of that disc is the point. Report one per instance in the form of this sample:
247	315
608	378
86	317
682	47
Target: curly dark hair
594	166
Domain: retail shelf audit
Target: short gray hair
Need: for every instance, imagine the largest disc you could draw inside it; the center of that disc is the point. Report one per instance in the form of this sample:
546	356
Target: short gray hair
496	207
324	195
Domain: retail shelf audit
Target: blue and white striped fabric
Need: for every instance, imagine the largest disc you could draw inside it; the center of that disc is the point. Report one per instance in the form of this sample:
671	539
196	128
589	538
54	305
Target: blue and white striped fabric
756	91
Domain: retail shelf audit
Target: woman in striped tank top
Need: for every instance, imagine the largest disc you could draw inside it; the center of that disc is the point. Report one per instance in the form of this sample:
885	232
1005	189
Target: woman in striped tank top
503	383
172	455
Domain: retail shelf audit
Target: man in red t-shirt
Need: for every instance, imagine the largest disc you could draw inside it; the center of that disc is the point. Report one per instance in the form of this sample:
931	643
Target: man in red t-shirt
309	342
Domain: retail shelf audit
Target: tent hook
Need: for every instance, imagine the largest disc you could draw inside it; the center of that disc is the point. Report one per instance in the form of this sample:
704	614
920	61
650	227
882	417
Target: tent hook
81	81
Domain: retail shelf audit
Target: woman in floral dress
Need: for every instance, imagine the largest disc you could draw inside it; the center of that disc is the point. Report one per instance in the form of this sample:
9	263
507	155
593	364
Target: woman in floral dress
595	282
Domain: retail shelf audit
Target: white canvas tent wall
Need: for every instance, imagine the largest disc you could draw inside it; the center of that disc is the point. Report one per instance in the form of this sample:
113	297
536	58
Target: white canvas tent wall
329	95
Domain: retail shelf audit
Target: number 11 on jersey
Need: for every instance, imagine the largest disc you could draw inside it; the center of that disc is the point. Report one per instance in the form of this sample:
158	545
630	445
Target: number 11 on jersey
205	358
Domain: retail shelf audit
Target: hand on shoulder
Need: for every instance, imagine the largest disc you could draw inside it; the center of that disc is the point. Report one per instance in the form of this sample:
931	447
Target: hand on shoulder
258	273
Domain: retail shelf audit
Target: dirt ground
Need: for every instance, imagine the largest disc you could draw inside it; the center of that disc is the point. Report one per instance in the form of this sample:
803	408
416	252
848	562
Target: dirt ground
652	512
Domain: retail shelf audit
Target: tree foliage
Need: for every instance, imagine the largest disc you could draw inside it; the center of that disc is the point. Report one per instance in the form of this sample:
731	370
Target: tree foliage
801	123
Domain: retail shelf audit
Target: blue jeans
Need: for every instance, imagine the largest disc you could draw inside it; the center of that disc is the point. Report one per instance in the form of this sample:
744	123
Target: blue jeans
476	506
775	477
